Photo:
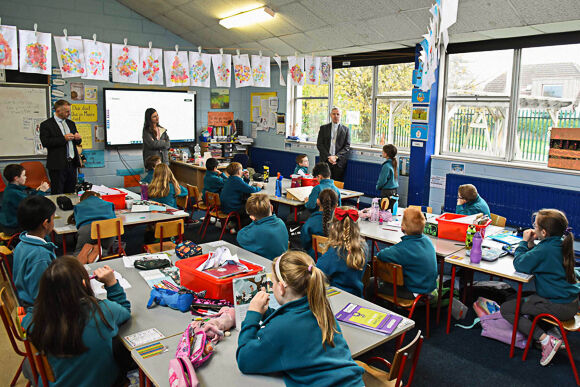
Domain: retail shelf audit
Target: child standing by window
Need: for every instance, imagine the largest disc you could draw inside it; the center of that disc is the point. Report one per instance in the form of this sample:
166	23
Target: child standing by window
388	181
552	263
319	221
164	187
345	260
301	167
269	340
469	202
73	328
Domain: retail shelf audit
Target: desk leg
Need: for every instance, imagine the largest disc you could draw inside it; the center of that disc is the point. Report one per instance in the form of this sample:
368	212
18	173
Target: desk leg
516	319
141	378
372	248
63	244
440	288
450	298
295	213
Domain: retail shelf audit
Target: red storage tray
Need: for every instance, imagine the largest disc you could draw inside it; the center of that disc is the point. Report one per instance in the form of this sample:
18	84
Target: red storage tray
197	281
448	229
309	182
117	199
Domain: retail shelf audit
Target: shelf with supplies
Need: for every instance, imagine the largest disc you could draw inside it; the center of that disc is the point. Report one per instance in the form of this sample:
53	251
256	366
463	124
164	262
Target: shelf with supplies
226	149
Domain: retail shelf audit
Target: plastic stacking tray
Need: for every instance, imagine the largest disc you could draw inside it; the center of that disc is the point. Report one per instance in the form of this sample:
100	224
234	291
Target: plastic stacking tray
447	228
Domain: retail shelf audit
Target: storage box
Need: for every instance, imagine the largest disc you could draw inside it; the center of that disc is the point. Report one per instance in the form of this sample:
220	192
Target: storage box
448	229
309	182
197	281
117	199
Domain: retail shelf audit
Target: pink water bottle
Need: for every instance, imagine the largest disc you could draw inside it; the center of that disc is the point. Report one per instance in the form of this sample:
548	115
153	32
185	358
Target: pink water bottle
475	255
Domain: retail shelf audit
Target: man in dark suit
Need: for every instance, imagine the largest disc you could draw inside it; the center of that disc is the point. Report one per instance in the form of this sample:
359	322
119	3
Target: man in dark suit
59	136
334	145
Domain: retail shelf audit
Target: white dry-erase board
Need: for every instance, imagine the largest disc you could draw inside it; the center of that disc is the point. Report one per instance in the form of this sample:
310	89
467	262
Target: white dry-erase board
22	109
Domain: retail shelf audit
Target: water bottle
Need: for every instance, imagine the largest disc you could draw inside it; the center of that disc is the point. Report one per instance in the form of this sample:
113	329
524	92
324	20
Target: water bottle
375	210
475	255
266	173
469	236
279	186
81	178
394	204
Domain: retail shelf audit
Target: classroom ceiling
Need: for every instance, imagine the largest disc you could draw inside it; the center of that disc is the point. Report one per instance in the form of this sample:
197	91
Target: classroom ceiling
335	27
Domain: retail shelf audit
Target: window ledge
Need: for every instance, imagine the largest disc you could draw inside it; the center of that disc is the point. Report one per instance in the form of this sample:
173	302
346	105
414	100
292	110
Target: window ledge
359	148
511	164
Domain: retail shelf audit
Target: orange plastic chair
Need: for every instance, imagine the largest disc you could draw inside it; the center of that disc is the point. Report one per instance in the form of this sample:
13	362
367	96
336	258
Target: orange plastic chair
35	173
43	366
339	184
172	228
101	229
214	203
319	245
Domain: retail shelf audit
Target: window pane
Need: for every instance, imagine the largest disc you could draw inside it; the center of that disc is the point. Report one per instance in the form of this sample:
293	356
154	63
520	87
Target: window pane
486	73
393	123
476	128
549	85
395	77
314	114
353	89
312	91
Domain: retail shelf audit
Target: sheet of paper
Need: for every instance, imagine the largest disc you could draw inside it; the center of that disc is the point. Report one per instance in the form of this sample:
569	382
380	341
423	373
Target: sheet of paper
265	107
273	101
99	288
140	208
130	260
256	100
143	337
272	119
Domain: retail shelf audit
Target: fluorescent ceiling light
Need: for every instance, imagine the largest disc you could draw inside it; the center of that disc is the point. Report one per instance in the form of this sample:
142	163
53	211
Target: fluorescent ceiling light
257	15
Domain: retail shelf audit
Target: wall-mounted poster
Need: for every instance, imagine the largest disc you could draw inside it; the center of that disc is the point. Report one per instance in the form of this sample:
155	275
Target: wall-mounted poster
420	96
420	114
220	99
419	131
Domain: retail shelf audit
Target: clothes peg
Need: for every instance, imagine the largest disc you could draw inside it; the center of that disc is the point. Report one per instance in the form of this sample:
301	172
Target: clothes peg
199	50
177	49
65	32
35	30
238	52
221	51
95	38
125	42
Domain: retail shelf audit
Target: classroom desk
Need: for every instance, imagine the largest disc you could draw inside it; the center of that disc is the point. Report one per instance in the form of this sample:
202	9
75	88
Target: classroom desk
503	267
189	173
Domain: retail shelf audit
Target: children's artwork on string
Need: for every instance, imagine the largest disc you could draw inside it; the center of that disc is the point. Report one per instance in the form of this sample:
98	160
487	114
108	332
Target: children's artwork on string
325	70
278	60
70	56
176	68
312	68
125	63
296	69
222	64
242	71
150	66
261	70
199	69
35	52
97	60
8	48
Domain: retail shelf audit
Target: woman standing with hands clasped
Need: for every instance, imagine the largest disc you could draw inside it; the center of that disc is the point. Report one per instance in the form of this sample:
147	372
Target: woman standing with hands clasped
155	138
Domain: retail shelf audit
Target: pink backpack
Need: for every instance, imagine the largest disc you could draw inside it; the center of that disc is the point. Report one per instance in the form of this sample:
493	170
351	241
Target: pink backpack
189	356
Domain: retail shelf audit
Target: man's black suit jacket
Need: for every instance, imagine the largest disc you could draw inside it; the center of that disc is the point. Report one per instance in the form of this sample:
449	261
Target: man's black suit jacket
342	147
53	140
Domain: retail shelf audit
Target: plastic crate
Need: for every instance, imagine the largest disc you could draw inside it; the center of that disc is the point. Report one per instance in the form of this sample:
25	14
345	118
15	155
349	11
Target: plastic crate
117	199
309	182
448	229
197	281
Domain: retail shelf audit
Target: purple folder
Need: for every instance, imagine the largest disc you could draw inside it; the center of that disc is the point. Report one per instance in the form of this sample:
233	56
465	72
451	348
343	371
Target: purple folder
367	318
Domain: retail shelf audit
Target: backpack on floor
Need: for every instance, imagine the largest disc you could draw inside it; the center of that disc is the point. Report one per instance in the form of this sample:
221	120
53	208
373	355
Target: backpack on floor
294	232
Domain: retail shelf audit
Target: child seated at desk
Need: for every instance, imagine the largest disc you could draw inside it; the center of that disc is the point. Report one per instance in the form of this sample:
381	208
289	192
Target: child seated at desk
150	164
214	179
388	183
14	193
235	193
416	254
75	329
301	339
318	222
91	208
469	202
33	254
301	167
321	172
552	263
164	187
267	234
345	260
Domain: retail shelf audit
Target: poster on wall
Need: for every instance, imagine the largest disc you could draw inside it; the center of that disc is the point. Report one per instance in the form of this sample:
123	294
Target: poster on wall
261	70
419	131
242	71
8	48
222	64
70	56
296	70
200	69
35	52
220	99
150	66
91	94
176	68
420	114
420	96
97	60
77	91
125	63
312	66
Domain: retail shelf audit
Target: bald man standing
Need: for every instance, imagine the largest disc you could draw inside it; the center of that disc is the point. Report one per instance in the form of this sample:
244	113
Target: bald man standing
334	145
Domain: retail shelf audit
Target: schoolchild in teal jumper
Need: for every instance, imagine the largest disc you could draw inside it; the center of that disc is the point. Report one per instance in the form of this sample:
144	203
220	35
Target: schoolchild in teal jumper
267	235
388	182
469	202
150	164
74	328
14	193
416	254
345	260
91	208
321	172
319	221
236	191
214	179
552	263
301	167
301	339
164	187
33	254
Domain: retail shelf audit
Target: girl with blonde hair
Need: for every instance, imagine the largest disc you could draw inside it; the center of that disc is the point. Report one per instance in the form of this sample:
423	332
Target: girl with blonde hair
164	187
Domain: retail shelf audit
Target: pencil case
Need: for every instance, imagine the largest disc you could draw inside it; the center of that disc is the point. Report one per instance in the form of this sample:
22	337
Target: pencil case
150	264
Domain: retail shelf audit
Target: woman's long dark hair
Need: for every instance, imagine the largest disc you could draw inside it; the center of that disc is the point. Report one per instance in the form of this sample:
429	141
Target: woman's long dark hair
148	124
61	310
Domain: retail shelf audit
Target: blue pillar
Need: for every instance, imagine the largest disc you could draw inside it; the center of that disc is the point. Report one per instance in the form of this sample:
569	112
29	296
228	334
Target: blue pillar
422	148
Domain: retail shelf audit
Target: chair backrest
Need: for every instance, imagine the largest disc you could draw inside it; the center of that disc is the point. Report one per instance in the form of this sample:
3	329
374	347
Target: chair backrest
182	201
384	203
212	199
339	184
35	173
319	245
101	229
497	220
5	269
9	306
193	193
428	210
2	184
406	358
388	272
172	228
43	366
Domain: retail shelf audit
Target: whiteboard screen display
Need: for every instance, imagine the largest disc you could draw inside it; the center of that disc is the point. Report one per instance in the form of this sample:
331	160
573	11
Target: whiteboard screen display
125	114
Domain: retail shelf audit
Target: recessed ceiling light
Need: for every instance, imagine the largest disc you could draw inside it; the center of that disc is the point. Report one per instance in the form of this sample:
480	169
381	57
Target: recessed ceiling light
249	17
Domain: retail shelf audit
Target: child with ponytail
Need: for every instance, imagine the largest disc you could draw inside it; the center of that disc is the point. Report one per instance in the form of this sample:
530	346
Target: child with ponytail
344	261
304	325
319	221
552	263
388	181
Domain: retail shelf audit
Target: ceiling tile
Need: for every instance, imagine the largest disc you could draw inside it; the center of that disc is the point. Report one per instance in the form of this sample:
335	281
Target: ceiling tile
333	11
461	37
253	32
385	46
549	28
405	5
395	27
330	37
300	17
355	49
183	20
218	9
419	18
177	3
278	46
153	6
279	26
485	15
541	11
510	32
303	43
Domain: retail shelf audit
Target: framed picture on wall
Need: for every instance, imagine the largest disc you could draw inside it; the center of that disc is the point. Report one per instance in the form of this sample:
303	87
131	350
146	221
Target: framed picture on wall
420	114
220	99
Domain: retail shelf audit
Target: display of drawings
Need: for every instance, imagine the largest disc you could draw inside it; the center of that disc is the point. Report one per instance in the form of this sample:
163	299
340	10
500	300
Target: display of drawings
151	68
125	63
70	56
176	68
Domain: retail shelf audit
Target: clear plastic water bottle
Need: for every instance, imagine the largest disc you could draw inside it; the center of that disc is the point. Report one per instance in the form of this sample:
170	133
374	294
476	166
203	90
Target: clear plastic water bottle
375	210
475	254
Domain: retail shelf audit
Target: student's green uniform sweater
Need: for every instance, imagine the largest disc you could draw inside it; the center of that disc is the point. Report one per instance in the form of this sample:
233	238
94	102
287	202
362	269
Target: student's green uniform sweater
267	237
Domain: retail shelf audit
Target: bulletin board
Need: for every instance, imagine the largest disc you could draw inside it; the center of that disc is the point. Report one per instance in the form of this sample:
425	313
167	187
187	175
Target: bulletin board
256	103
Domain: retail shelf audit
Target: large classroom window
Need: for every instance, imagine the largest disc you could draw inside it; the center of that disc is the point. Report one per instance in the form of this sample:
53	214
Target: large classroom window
311	110
502	104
